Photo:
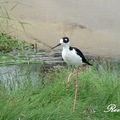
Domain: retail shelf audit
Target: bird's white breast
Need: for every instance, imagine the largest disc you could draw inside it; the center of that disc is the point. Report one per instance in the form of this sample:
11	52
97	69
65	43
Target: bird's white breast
71	57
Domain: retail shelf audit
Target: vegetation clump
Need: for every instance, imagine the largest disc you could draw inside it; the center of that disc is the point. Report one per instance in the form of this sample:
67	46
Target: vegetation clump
9	43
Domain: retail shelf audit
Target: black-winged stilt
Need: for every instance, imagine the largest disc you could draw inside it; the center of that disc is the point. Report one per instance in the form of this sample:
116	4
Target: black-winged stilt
72	56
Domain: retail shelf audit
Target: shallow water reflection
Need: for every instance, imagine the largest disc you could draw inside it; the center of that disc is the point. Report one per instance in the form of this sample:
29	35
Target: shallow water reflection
13	76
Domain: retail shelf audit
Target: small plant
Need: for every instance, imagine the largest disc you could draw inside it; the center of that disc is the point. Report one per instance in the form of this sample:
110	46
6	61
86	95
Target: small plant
8	25
8	43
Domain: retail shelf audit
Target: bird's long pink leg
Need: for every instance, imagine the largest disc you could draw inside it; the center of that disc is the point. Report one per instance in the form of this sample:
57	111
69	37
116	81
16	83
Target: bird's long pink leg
70	77
76	90
69	80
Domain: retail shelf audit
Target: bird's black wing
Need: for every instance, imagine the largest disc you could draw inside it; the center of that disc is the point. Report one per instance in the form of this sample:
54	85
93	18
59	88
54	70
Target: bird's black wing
81	55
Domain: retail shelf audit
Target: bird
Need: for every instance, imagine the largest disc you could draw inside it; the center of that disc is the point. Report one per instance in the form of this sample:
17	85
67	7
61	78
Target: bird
72	56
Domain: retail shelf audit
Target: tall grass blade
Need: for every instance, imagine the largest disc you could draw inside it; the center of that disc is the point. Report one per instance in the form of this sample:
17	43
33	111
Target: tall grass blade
14	6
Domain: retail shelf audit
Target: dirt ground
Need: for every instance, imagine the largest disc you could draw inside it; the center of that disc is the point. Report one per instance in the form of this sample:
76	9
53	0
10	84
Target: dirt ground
93	26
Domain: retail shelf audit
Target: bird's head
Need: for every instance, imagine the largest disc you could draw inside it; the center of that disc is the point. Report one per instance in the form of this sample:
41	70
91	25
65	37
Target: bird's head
63	42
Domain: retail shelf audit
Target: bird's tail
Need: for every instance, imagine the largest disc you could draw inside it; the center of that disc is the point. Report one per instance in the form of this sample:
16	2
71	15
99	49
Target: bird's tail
89	63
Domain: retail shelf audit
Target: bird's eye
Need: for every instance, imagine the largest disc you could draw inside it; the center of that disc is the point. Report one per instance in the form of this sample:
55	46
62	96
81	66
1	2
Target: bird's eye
65	40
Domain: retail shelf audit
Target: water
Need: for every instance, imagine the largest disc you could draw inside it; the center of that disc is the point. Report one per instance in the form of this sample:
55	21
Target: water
14	76
93	26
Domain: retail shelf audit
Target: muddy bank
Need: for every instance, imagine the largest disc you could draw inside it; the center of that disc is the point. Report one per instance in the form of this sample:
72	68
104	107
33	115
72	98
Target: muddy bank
92	42
92	26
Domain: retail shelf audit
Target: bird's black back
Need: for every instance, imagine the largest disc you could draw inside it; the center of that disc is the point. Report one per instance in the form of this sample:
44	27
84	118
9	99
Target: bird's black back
81	55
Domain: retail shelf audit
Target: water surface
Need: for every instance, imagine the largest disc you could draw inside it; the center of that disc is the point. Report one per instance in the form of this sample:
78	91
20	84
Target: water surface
15	76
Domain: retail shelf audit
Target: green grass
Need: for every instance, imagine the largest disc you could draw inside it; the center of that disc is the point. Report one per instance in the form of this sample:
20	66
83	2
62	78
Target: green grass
9	43
54	99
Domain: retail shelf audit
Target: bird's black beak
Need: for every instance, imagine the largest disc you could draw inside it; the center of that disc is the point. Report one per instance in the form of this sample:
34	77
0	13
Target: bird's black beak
56	46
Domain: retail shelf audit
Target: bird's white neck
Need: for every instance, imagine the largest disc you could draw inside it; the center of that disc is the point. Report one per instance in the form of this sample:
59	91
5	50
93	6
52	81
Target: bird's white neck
66	47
